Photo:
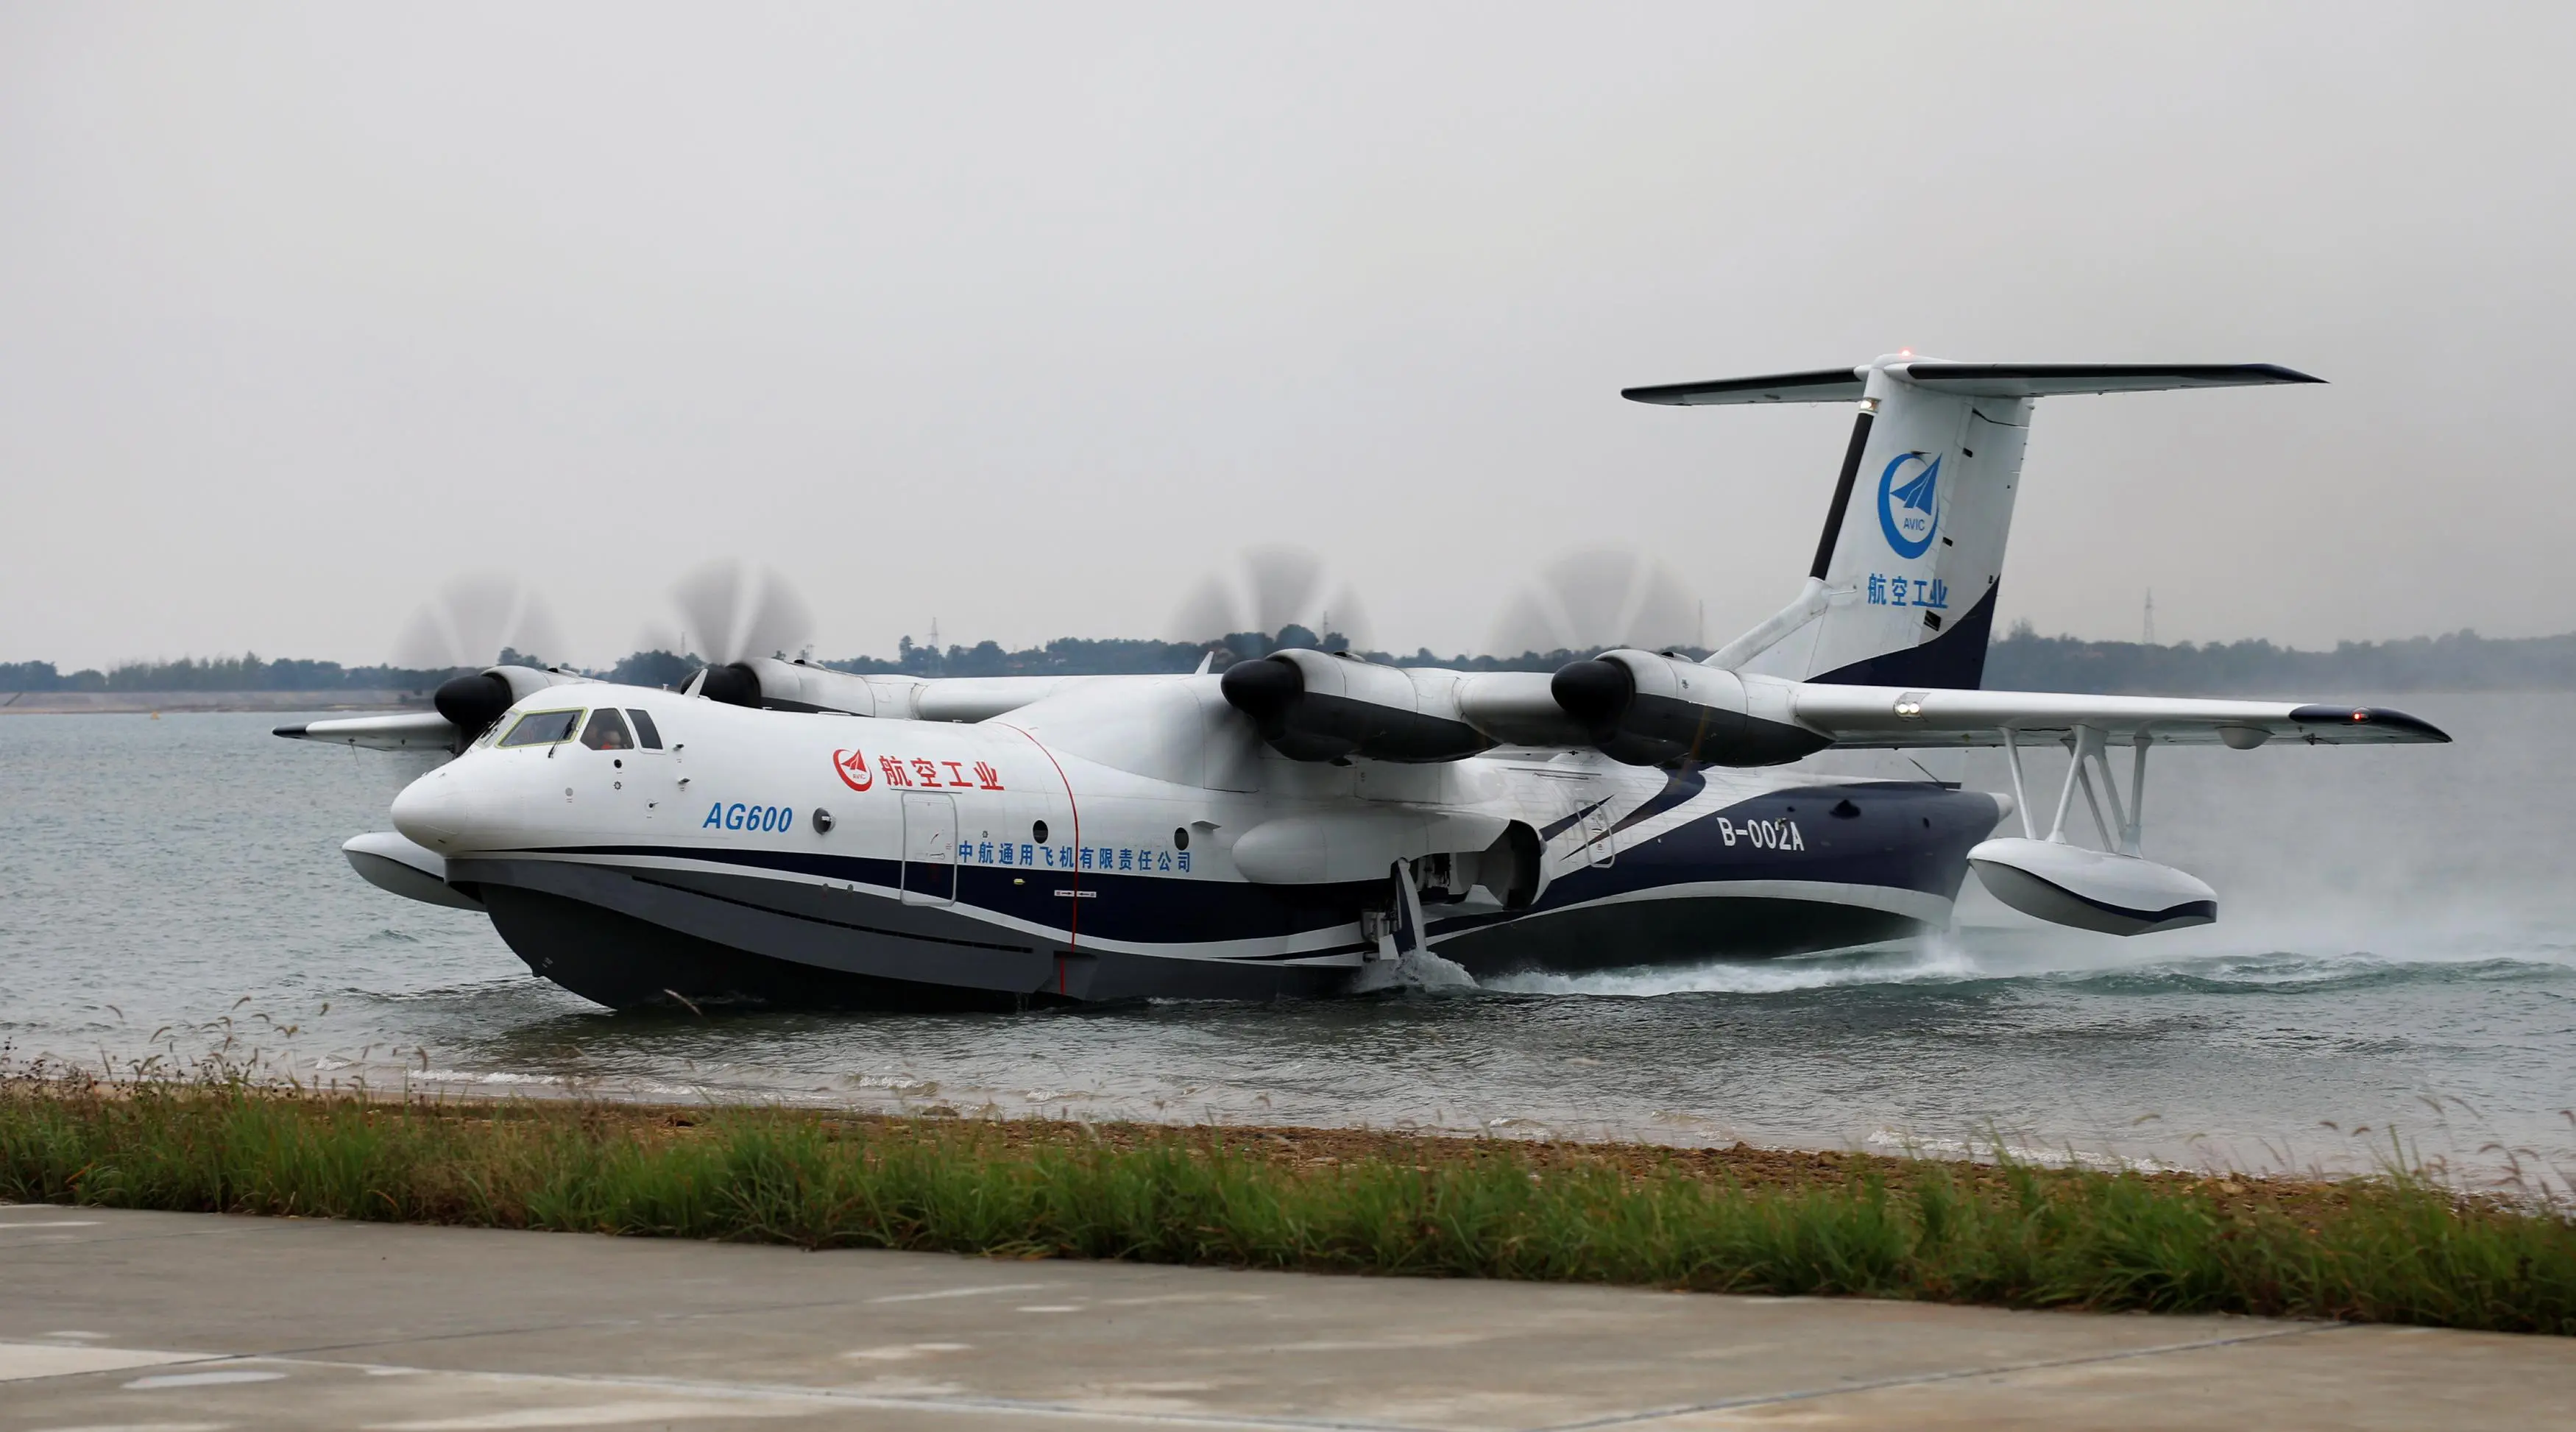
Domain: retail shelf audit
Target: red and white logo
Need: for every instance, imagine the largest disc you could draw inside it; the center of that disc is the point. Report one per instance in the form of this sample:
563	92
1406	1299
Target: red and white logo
853	769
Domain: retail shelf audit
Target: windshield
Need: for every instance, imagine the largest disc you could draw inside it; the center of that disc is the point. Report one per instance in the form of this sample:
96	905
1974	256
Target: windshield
542	728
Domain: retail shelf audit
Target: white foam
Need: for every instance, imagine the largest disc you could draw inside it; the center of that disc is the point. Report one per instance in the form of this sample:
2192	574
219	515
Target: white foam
1936	959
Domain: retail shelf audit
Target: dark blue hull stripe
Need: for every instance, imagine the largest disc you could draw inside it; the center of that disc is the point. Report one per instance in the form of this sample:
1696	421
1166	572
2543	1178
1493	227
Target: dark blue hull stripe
1891	835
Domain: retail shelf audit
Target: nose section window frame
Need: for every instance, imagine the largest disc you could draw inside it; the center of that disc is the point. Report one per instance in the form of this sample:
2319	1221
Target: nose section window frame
607	731
543	728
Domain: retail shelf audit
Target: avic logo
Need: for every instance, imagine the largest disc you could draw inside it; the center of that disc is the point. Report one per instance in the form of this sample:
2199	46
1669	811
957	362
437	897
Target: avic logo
1909	512
852	768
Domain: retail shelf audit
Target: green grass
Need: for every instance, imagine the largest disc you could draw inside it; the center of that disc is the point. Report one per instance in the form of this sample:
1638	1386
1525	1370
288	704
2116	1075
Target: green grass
2390	1249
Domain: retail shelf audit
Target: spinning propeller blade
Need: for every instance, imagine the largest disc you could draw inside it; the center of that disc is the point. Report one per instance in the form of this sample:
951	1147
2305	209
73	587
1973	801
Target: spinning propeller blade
1599	597
472	619
1265	590
732	610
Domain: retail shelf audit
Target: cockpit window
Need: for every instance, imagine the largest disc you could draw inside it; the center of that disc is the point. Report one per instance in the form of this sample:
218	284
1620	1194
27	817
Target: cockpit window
644	728
543	728
607	732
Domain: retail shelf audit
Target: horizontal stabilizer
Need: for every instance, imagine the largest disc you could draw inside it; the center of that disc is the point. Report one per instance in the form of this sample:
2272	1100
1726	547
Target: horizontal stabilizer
1977	380
1823	385
410	731
1887	717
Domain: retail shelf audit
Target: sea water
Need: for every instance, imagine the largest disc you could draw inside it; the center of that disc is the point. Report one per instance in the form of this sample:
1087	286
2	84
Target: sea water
2393	975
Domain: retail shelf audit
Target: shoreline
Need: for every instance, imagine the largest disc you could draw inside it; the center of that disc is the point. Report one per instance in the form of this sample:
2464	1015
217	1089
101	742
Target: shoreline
2510	1182
1313	1147
2400	1248
139	703
1782	1162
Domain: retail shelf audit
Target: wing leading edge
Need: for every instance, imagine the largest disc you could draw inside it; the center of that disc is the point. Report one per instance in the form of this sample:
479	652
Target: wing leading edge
1889	717
410	731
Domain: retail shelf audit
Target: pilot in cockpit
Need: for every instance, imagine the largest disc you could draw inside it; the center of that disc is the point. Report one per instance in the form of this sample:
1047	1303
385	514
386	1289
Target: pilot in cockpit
607	732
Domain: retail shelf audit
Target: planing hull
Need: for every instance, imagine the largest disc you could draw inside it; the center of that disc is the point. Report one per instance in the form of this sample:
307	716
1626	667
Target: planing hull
642	926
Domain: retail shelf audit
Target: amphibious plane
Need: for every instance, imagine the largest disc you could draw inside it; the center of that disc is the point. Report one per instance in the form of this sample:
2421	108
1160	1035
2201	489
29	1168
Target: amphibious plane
1308	823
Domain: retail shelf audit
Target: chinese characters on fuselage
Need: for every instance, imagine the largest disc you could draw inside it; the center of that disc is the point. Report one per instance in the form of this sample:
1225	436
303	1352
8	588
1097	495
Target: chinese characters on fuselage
922	773
1109	859
1893	591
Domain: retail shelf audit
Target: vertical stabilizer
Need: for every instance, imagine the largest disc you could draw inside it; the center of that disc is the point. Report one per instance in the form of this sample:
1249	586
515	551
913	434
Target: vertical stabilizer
1902	588
1913	547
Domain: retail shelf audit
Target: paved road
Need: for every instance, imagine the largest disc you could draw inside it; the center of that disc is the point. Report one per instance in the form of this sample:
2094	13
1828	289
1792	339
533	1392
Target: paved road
185	1321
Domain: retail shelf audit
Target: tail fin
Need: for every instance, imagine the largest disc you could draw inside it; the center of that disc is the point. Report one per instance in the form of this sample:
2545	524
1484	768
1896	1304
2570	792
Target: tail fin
1902	590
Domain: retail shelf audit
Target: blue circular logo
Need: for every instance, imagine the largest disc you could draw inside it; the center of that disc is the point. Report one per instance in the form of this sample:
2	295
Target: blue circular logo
1909	512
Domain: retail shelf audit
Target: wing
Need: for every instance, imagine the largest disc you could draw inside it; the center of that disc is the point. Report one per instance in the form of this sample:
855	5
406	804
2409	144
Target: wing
1892	717
410	731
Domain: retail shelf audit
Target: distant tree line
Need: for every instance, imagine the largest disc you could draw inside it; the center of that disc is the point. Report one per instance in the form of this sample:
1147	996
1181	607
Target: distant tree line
2021	660
1073	656
246	672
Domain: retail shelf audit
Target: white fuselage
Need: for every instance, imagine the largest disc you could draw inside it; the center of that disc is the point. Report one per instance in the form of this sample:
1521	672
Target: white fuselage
1142	826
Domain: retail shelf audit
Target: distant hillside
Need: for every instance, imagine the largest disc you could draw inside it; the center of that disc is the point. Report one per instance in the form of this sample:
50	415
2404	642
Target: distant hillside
2021	660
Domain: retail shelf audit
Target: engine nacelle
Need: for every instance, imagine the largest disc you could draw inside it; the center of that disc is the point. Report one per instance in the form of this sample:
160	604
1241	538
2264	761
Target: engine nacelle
1315	706
767	683
471	703
2089	889
1651	710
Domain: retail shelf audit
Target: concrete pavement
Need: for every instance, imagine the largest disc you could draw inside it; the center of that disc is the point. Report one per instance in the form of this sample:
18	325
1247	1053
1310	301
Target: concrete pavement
185	1321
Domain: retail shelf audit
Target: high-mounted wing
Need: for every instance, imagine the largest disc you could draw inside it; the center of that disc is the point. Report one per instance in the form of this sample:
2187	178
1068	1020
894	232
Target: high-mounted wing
411	731
468	705
766	682
1893	717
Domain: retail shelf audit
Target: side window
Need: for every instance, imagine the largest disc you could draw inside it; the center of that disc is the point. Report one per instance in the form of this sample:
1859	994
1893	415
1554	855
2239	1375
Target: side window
644	728
543	728
607	732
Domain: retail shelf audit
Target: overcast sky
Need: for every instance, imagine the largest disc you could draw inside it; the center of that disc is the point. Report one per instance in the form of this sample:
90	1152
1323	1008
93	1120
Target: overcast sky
1028	317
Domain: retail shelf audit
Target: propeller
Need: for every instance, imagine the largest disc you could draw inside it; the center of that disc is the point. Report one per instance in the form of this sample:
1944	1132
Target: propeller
472	619
732	610
1599	597
1265	590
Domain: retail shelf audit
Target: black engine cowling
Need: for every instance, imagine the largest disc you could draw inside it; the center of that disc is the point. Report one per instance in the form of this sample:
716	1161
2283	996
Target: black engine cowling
1651	710
472	703
734	684
1311	706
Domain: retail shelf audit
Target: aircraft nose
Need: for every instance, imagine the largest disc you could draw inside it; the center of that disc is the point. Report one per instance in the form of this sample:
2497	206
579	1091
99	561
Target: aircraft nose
430	811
